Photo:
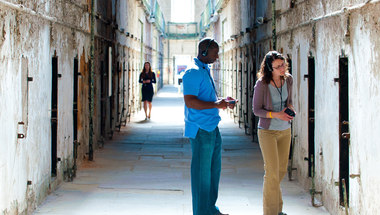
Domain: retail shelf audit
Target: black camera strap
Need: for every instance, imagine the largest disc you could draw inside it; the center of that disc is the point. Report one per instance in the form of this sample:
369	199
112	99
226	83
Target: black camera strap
279	91
212	82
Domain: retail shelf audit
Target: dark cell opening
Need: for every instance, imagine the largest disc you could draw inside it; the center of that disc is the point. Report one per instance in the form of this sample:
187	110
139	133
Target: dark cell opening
343	131
311	120
54	116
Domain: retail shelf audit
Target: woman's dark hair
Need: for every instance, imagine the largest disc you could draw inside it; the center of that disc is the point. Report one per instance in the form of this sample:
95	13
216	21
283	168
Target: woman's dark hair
265	72
143	72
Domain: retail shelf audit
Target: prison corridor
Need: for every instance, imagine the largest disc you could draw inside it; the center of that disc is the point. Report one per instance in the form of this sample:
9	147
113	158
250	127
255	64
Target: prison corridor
145	169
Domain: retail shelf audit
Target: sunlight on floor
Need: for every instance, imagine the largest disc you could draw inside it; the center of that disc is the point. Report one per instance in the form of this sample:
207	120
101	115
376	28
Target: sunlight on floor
168	109
170	95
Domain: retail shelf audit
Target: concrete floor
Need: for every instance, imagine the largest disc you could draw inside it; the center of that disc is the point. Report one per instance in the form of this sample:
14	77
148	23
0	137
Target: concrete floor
145	169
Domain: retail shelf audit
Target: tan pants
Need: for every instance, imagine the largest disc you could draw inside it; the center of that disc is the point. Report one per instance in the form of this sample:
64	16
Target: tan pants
275	146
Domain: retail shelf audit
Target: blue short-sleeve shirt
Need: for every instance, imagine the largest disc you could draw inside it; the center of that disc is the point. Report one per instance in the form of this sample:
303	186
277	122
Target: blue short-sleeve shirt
197	81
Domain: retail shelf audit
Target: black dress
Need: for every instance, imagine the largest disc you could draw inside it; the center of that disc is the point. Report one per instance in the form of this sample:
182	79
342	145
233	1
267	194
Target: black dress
147	89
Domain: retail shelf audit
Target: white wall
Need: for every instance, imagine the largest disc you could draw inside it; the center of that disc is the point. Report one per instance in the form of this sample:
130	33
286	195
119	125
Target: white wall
326	44
27	45
364	106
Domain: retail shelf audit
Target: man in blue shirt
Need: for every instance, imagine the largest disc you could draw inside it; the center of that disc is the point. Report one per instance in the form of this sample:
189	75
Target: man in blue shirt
201	127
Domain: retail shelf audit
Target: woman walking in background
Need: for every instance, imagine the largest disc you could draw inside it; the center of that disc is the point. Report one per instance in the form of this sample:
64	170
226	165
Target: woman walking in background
272	103
147	78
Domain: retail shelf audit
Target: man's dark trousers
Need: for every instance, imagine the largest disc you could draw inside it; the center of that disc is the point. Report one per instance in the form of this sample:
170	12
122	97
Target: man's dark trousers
205	171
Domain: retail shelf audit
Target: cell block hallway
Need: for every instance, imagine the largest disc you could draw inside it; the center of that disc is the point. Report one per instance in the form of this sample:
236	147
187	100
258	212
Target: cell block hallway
145	169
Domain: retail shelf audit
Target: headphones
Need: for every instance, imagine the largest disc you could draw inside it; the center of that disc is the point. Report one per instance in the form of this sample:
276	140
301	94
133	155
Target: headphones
267	58
271	56
204	53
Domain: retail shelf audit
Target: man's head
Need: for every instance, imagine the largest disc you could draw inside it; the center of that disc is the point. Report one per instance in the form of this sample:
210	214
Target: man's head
208	50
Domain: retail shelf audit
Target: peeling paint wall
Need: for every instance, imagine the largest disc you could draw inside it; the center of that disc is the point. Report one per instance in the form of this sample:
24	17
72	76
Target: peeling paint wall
30	38
325	31
348	29
32	33
364	132
334	32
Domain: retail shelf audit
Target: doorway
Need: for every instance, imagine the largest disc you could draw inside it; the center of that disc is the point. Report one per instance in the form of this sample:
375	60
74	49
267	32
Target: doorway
75	115
311	120
344	135
103	98
54	116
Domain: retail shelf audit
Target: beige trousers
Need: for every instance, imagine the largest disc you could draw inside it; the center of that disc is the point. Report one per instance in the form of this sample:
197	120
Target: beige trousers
275	146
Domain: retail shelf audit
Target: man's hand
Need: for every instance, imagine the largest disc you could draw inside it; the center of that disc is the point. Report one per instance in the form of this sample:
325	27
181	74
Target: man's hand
231	102
222	104
192	101
231	105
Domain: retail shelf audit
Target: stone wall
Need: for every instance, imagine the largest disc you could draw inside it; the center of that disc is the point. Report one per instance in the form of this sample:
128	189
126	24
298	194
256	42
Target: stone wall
38	36
328	33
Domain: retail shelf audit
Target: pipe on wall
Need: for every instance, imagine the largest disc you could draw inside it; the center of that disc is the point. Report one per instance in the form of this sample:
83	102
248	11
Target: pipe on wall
274	36
26	10
92	77
314	20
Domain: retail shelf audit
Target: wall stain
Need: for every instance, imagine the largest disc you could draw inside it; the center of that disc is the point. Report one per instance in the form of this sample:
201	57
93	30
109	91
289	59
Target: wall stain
3	33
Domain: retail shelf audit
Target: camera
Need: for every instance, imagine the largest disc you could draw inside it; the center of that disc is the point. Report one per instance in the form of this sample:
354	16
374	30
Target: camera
290	112
231	100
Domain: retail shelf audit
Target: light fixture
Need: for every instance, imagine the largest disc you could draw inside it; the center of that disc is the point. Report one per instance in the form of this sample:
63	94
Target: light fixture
214	17
261	20
152	19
